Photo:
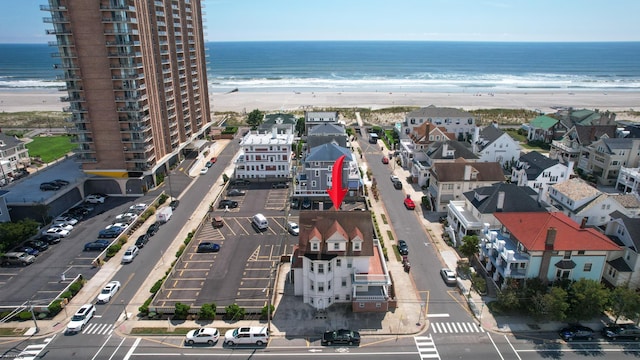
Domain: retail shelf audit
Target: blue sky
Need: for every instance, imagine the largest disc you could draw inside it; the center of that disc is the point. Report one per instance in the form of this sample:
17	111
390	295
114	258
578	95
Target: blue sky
448	20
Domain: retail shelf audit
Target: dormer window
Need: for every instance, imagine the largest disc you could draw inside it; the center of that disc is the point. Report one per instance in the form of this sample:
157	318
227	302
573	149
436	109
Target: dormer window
357	245
315	245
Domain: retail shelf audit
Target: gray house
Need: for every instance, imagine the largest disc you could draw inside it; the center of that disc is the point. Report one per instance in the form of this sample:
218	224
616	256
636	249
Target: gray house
326	133
315	118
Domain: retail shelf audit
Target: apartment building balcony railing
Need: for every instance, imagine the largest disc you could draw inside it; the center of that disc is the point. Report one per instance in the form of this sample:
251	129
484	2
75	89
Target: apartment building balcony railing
115	54
58	32
72	99
81	138
129	108
130	76
115	7
55	20
74	109
68	77
53	7
574	148
119	19
120	31
64	55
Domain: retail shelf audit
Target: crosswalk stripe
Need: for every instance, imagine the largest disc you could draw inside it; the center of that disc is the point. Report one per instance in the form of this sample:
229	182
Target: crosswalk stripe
426	347
455	327
98	329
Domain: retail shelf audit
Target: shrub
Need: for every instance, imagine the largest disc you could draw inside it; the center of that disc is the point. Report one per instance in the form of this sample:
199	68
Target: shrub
181	311
66	295
479	283
156	286
54	308
163	198
24	315
263	312
75	287
207	312
113	250
144	309
234	312
180	251
123	239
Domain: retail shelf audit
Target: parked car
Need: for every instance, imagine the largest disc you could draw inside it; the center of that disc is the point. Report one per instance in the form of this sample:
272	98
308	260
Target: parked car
116	225
27	249
213	160
17	258
60	182
217	222
108	292
95	199
95	246
621	331
247	335
62	226
49	186
37	244
202	336
409	204
207	247
576	332
397	185
293	228
142	240
342	336
385	160
60	233
204	170
111	232
174	204
239	182
153	229
81	318
306	203
235	192
403	249
138	208
394	178
68	220
280	185
448	276
130	254
208	164
49	239
227	203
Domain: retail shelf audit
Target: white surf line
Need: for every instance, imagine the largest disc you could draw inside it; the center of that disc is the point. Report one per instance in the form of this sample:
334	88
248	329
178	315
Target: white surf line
133	348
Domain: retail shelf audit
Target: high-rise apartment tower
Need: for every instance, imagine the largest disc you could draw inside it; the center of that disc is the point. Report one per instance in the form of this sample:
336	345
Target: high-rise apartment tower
135	73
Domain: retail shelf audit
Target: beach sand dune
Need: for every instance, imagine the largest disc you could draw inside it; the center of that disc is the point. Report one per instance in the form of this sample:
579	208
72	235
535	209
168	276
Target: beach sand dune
15	100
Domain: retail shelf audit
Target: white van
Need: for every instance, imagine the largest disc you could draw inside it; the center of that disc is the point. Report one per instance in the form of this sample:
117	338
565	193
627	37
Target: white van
247	335
260	222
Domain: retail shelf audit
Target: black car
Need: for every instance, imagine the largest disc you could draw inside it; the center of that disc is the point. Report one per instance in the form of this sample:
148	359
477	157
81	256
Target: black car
174	204
142	239
49	186
228	203
153	229
403	249
295	203
235	192
397	185
96	246
206	247
49	239
342	336
280	185
37	244
576	332
240	182
60	182
621	331
306	203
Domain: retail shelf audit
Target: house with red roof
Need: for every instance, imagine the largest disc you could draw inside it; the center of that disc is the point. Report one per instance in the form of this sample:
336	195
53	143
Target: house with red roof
338	260
545	245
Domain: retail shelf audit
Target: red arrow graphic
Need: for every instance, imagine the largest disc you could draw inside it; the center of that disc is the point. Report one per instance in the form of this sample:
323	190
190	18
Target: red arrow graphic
336	192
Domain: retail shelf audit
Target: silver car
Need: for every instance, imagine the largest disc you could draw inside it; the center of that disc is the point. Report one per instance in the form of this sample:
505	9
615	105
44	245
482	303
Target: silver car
448	276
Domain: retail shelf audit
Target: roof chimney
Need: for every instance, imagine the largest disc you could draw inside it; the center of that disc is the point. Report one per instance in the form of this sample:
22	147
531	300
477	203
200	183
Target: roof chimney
274	132
500	204
467	172
445	148
551	238
584	222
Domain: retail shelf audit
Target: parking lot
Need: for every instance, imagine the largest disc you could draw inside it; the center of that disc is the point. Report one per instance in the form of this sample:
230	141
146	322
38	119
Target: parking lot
242	269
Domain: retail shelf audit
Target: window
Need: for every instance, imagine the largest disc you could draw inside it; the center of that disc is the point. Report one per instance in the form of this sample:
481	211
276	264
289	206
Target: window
312	285
329	285
311	267
337	297
581	252
329	268
567	255
361	305
349	264
356	246
320	268
320	287
336	246
344	282
378	305
314	246
338	262
313	183
587	267
347	297
317	173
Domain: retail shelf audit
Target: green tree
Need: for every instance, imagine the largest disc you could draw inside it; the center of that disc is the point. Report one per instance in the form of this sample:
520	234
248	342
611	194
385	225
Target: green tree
255	118
13	233
208	311
234	312
263	312
300	126
624	302
587	299
552	305
508	299
181	311
470	246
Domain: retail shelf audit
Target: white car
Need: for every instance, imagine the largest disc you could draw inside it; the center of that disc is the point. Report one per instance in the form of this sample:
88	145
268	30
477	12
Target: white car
127	217
62	226
117	224
108	292
394	178
81	318
202	336
65	220
95	199
293	228
204	170
448	276
138	207
130	254
56	232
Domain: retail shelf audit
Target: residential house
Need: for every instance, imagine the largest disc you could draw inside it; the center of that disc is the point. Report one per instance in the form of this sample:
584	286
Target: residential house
492	144
449	181
604	158
325	133
14	156
628	180
569	117
419	139
264	156
623	266
543	128
569	147
314	176
4	210
442	151
313	118
338	260
548	246
456	121
282	123
538	172
470	215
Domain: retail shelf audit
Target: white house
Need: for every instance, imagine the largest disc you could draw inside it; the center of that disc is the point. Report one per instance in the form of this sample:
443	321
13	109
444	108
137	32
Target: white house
338	260
492	144
455	121
623	267
264	156
539	172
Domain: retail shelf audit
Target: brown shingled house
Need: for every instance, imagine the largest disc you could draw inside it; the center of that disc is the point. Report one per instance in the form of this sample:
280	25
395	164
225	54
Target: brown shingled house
337	260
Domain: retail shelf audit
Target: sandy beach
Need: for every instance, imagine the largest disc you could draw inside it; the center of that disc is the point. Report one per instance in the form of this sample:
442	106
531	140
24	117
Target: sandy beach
15	100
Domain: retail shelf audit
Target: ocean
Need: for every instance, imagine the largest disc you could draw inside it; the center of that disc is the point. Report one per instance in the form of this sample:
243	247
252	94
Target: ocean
338	66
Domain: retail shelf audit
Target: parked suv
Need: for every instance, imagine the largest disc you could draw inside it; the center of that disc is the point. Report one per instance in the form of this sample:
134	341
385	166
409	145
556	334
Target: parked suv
621	331
17	258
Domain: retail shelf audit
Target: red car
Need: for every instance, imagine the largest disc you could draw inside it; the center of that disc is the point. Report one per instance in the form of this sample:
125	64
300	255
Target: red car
385	160
409	204
213	160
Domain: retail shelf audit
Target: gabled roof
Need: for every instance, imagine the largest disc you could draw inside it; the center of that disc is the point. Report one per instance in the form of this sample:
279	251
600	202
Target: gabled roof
8	142
490	134
576	189
516	198
326	129
628	201
277	118
530	228
486	171
537	163
618	144
420	134
590	133
460	150
327	152
323	224
438	112
543	122
632	225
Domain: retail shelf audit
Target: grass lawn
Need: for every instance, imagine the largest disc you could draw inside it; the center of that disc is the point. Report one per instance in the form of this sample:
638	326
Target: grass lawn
50	148
517	137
